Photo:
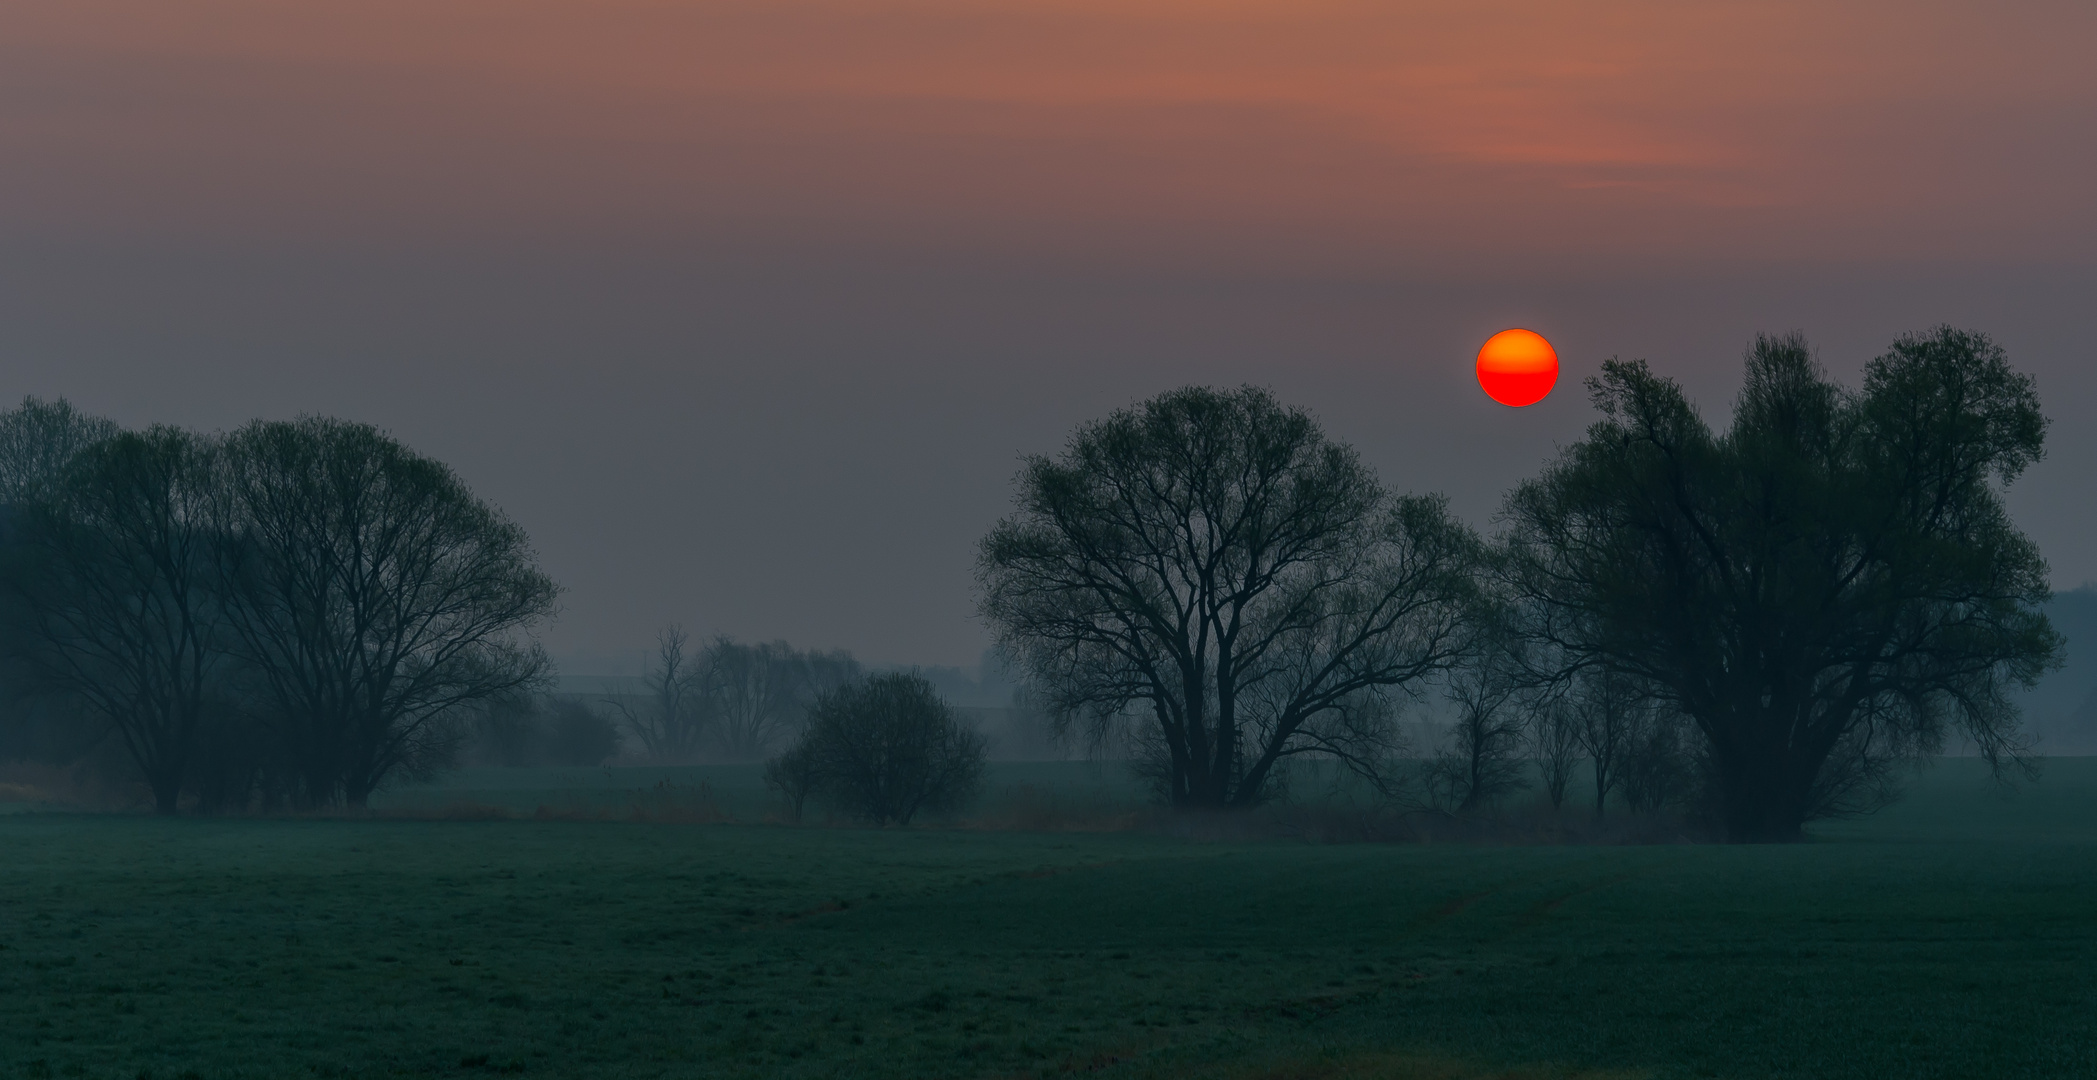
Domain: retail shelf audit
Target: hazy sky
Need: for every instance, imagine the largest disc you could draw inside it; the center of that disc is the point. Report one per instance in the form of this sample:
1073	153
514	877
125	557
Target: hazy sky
748	310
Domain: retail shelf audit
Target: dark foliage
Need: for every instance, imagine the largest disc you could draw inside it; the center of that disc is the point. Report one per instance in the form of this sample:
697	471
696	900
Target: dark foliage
1209	578
286	617
794	776
882	749
110	572
1823	591
577	734
374	597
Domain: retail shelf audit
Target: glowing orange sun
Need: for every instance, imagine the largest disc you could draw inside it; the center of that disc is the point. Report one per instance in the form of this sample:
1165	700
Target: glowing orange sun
1517	367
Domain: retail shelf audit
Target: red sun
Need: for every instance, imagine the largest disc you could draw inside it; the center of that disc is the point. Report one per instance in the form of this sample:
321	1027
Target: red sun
1517	367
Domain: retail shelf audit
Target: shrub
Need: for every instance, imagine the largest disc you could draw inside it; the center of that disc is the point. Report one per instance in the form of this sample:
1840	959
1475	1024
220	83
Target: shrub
881	749
579	735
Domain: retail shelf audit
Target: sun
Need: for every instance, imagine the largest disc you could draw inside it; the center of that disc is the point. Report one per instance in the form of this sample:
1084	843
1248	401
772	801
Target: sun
1517	367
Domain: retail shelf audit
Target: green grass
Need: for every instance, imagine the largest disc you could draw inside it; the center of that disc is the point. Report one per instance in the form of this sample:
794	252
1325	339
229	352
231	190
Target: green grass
1954	936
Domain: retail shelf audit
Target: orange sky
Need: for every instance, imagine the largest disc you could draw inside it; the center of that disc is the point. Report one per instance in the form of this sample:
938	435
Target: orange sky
747	309
1296	133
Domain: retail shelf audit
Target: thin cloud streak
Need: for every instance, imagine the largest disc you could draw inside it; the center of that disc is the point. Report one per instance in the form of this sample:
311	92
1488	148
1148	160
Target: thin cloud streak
1366	134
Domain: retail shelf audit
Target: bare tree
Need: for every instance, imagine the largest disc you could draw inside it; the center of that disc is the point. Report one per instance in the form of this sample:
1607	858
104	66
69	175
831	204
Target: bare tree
374	595
755	694
1208	572
1609	714
671	720
1554	732
111	571
1480	760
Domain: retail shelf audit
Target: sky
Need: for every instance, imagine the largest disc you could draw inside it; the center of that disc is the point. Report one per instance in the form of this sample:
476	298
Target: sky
748	312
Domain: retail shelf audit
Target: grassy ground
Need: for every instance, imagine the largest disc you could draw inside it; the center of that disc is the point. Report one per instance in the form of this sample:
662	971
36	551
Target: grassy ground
1955	936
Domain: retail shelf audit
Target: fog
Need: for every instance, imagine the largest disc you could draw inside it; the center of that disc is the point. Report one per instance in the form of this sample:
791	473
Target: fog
809	445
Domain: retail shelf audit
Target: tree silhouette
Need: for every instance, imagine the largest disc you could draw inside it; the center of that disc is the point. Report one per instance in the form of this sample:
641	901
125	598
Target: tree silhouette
374	595
1207	573
1824	589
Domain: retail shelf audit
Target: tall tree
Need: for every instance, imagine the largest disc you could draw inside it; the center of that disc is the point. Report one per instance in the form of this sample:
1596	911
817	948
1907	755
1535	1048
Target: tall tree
1824	589
1208	572
374	595
110	569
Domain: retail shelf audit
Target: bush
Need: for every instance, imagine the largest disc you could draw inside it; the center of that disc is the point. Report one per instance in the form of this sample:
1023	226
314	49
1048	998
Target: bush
579	735
793	776
882	749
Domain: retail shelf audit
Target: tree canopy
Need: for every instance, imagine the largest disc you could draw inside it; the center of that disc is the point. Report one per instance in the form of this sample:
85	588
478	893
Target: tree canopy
1209	575
1827	587
372	594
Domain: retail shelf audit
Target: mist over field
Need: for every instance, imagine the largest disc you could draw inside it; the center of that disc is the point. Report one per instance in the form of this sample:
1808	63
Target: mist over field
912	539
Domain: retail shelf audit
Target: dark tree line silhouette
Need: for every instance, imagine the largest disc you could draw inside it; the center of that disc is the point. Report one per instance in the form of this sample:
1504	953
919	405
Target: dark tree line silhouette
1756	626
1759	625
288	615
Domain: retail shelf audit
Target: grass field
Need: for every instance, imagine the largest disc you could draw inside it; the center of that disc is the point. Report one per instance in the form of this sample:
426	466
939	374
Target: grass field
1954	936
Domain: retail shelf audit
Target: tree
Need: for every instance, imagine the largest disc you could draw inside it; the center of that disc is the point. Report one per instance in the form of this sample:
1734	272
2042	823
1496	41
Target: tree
578	735
110	571
1210	574
882	749
1554	732
1480	763
509	730
757	694
375	597
1608	713
1656	766
1823	590
671	720
38	439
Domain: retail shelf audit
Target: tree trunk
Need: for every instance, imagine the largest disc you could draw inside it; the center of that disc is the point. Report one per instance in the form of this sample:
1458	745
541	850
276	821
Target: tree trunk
1758	802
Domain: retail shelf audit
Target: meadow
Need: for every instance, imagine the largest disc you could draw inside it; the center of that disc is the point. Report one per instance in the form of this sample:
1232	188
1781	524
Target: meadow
1954	935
